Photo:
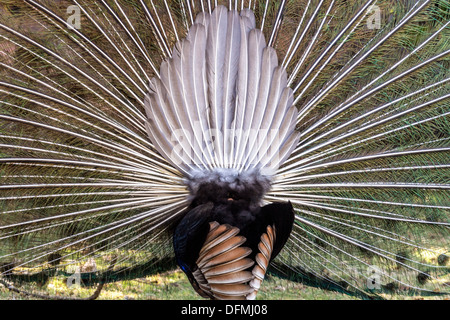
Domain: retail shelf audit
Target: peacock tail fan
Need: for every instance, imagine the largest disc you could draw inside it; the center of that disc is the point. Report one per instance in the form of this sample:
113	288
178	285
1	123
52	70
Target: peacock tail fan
129	129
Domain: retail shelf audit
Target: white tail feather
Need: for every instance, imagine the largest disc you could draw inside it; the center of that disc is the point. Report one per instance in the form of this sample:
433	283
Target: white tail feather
224	90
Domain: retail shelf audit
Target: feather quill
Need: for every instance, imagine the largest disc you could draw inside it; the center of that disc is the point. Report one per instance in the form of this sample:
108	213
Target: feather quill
246	24
232	52
193	77
273	108
215	59
256	45
269	63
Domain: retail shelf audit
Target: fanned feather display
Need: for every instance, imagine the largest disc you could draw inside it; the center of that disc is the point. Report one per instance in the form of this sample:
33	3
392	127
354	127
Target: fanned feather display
131	132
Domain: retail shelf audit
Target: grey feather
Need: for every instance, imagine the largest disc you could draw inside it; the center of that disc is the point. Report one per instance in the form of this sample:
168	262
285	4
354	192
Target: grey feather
223	89
215	59
279	83
241	88
199	103
269	63
191	68
231	66
256	45
203	18
282	144
283	118
171	80
161	143
248	17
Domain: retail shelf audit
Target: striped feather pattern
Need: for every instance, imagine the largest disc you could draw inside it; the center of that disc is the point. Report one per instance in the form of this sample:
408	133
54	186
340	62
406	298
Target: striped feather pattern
224	269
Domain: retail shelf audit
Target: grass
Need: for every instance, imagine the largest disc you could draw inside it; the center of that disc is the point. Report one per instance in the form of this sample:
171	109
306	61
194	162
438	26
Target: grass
173	286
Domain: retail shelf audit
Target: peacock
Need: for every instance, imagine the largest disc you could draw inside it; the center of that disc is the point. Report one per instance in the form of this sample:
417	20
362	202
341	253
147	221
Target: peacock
233	140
